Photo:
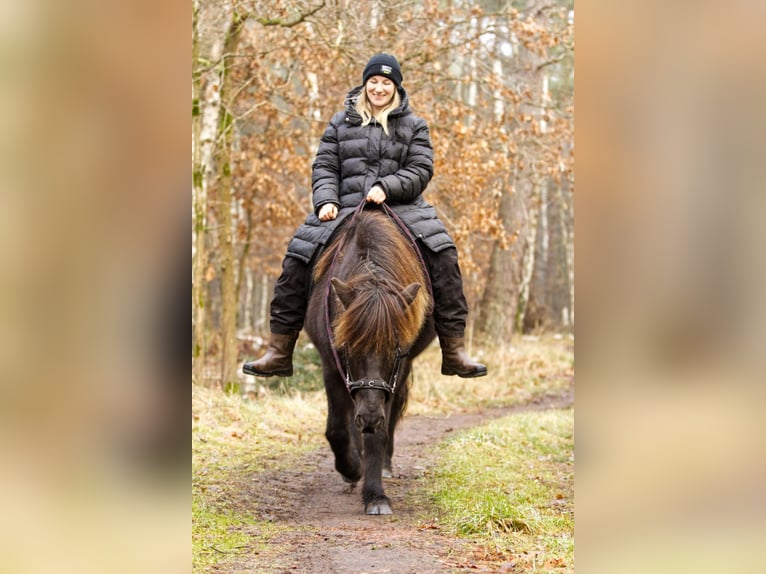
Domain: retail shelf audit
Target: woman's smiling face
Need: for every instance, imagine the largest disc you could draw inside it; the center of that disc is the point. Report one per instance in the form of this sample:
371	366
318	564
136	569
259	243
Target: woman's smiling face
380	90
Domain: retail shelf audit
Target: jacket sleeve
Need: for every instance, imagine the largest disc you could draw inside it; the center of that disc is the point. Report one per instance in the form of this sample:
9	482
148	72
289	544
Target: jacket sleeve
411	180
325	172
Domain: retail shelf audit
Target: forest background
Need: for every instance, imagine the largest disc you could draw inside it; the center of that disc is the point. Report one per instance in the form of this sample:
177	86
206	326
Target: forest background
493	79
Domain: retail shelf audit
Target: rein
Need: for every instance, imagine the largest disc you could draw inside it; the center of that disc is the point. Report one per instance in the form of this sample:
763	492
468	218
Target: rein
328	294
390	385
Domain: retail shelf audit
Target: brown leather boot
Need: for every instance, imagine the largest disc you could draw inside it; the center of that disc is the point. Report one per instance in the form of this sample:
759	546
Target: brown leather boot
455	361
278	360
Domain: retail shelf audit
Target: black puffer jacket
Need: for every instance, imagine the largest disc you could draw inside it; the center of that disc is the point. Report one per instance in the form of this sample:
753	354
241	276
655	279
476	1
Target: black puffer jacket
352	158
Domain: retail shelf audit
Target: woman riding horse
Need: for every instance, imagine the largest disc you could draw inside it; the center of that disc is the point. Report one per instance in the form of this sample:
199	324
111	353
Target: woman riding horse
376	149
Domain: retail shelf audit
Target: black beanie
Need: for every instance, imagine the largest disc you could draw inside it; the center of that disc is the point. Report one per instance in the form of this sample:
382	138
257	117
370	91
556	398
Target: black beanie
383	65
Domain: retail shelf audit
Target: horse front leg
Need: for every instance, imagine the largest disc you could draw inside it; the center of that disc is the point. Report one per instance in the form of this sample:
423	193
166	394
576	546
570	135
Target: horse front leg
373	496
343	436
347	460
398	406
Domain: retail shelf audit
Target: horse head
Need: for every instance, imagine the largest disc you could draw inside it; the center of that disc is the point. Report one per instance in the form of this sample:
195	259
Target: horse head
373	349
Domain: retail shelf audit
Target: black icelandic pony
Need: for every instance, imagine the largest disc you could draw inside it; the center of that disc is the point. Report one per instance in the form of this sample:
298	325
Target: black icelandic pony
368	327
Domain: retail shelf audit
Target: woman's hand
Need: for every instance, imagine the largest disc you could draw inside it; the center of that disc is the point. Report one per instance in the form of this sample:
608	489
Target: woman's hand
376	194
328	212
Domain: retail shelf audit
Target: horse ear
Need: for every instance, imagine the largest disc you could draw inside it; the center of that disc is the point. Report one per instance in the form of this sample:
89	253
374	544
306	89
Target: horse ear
409	293
343	291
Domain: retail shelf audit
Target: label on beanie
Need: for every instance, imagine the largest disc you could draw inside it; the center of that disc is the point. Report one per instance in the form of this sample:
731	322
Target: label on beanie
385	69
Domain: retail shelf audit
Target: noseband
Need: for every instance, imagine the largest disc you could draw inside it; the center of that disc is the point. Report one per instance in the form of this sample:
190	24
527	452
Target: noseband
389	386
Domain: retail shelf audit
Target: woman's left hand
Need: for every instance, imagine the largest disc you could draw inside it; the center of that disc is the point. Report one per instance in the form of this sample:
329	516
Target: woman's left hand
376	194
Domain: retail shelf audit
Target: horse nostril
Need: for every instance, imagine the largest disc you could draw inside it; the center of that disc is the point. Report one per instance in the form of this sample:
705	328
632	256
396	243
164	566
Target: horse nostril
369	424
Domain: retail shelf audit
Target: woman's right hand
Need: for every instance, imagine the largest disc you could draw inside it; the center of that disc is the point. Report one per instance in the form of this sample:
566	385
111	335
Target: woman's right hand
328	212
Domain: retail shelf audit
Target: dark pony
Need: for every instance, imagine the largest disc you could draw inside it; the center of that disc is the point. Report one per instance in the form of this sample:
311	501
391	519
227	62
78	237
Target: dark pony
379	312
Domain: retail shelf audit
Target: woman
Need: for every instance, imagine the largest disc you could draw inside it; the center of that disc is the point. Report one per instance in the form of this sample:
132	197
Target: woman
378	150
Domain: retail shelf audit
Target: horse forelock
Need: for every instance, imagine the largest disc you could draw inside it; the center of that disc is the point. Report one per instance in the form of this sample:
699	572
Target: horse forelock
378	264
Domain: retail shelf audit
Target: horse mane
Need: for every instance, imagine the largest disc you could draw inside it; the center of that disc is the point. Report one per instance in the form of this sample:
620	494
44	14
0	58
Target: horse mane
382	263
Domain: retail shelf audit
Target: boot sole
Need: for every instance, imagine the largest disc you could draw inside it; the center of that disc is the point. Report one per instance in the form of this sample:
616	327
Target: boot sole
250	371
471	375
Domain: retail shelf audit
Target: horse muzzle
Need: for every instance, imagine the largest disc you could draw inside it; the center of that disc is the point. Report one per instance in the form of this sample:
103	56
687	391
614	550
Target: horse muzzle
370	410
370	422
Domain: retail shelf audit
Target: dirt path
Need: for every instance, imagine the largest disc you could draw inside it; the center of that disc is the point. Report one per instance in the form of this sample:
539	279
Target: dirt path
325	530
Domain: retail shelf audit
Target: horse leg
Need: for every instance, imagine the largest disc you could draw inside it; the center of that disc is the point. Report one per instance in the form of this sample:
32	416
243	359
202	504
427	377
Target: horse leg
398	405
339	428
347	461
373	496
388	467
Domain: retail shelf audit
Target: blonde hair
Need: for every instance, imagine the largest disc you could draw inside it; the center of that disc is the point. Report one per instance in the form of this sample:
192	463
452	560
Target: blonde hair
364	109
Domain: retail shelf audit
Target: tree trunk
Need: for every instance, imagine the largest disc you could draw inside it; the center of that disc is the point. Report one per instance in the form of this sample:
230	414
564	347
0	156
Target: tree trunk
247	308
529	260
244	271
214	30
506	292
226	258
567	228
199	208
229	300
208	39
499	305
263	312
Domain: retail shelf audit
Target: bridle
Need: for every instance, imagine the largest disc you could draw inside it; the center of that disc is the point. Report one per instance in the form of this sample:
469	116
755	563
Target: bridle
388	386
343	367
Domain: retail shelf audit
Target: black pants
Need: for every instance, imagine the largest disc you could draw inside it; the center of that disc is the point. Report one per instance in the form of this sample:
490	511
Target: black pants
291	296
450	307
291	293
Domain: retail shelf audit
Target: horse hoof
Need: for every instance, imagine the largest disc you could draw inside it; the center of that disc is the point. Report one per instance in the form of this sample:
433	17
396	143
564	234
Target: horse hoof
349	488
351	481
387	473
378	508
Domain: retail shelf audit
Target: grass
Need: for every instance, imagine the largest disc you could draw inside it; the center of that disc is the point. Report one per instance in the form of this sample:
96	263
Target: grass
509	487
274	421
234	437
218	532
519	372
